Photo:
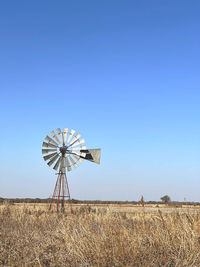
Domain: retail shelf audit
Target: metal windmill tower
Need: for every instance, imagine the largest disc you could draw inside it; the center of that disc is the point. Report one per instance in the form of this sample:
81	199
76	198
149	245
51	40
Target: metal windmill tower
65	151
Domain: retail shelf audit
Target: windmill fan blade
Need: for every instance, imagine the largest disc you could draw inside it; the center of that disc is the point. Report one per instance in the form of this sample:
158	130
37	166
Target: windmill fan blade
78	142
80	154
73	162
92	155
62	164
55	137
45	151
75	138
78	158
65	134
69	168
60	134
49	139
57	163
78	148
44	144
70	135
49	156
53	160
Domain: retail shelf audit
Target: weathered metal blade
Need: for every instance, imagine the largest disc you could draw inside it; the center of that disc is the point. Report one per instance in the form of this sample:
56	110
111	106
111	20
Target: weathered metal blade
62	165
60	134
53	160
49	139
70	135
78	142
57	163
69	168
65	134
75	138
80	154
49	156
73	162
45	151
44	144
53	134
78	148
92	155
78	158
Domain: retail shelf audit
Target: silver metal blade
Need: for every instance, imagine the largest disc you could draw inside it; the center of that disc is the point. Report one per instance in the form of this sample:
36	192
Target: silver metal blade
53	134
78	148
78	158
70	135
80	154
49	139
77	136
62	165
45	151
49	156
92	155
73	162
69	168
60	134
44	144
57	163
53	160
78	142
65	134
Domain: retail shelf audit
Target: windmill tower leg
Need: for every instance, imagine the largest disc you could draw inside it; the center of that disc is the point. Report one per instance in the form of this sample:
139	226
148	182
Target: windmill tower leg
61	193
68	193
55	193
58	196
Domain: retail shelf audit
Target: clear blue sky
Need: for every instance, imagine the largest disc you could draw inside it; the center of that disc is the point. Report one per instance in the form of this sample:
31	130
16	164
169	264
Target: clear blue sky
125	74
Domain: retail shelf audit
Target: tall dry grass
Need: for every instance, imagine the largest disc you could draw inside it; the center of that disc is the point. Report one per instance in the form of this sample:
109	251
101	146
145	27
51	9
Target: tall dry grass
34	237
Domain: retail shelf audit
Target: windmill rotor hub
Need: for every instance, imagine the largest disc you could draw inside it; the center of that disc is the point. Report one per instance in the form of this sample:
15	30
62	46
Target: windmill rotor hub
63	150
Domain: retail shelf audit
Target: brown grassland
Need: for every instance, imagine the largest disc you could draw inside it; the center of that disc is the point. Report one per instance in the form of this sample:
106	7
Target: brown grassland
30	235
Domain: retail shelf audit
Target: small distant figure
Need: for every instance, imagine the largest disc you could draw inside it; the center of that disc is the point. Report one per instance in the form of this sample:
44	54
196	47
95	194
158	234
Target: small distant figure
142	201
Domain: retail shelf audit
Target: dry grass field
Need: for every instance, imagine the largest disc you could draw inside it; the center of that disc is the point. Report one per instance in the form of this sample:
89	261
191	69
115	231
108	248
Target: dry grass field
30	235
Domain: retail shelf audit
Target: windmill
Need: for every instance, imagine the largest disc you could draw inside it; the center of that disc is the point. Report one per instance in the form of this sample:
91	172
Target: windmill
65	151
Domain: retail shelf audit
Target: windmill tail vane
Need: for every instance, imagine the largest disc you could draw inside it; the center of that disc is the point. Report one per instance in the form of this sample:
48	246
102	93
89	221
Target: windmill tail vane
66	150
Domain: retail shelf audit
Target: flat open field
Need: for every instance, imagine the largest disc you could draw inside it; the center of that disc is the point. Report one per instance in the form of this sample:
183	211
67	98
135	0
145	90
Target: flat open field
114	235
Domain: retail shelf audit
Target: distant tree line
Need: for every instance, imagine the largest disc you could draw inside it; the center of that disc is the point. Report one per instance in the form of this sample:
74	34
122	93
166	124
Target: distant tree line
165	200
